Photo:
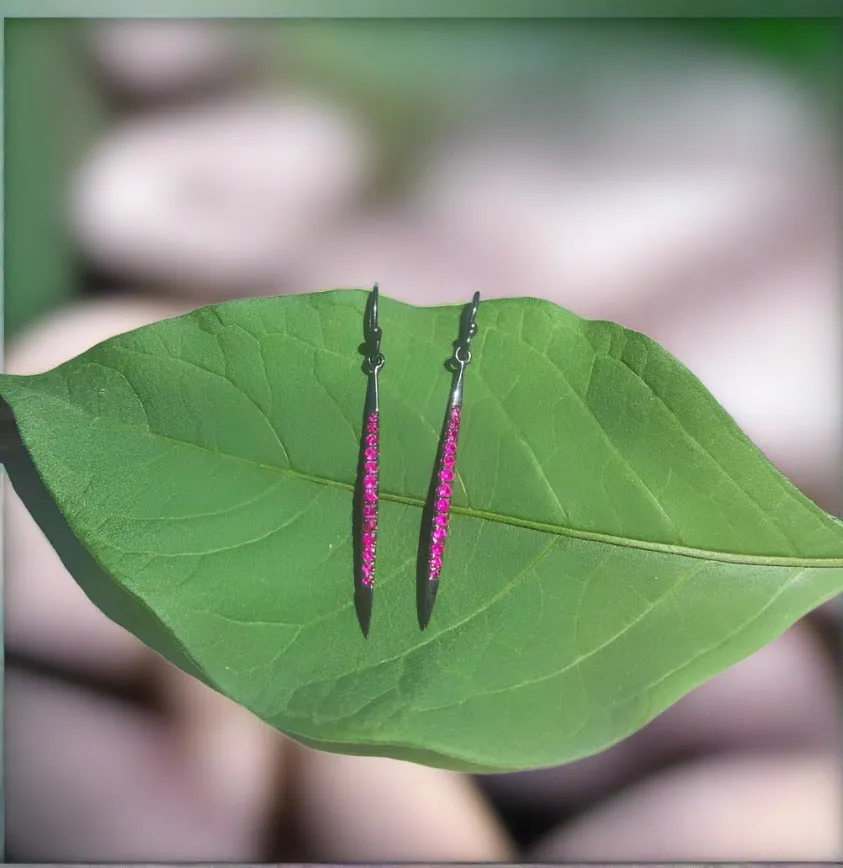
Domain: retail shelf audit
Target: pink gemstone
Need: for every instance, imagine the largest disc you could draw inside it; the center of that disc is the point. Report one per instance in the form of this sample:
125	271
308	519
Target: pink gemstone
444	490
442	504
371	467
446	474
369	511
437	549
371	439
455	413
368	556
448	461
370	495
370	524
439	534
370	480
368	539
373	420
371	453
441	518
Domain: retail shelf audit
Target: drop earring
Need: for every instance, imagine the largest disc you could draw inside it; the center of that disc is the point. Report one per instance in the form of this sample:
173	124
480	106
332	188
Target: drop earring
366	490
437	512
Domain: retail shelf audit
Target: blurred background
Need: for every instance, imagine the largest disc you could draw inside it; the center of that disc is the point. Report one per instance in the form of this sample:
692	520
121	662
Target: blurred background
679	178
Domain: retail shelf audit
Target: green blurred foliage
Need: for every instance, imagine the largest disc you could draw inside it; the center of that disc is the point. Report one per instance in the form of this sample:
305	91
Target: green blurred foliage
52	114
808	47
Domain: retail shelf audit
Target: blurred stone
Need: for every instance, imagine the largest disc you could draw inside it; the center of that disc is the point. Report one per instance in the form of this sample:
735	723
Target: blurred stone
360	809
71	330
237	759
89	779
683	102
223	198
156	58
619	193
603	239
758	703
47	615
411	260
741	807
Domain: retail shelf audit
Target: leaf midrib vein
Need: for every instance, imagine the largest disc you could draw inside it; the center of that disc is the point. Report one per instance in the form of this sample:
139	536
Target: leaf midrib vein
488	515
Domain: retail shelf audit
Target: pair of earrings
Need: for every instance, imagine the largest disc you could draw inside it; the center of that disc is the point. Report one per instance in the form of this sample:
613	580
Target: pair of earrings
437	512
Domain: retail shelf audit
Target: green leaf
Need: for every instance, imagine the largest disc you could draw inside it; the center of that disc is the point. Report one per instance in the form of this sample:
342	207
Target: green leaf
615	541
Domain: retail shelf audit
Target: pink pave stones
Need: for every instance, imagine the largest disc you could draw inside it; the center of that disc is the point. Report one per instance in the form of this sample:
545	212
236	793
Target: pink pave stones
368	539
444	490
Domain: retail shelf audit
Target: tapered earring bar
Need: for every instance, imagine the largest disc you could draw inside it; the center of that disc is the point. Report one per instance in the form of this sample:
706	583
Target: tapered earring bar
439	509
366	490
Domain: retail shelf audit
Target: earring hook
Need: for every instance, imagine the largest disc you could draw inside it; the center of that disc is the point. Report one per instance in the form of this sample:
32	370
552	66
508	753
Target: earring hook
373	331
462	353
